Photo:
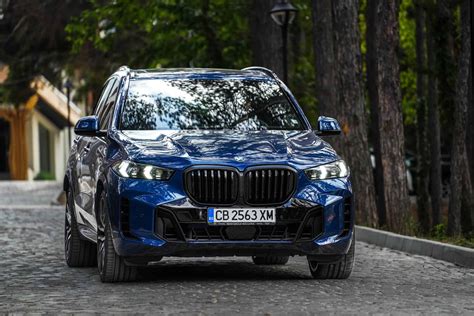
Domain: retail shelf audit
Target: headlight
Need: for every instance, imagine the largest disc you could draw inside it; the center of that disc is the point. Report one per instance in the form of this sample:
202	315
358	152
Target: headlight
337	169
130	169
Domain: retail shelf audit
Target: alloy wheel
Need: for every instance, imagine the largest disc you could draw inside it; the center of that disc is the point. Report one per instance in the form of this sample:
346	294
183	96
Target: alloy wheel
101	235
67	229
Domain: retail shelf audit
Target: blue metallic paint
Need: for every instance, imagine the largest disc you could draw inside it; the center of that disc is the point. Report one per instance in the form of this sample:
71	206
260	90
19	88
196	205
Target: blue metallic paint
179	150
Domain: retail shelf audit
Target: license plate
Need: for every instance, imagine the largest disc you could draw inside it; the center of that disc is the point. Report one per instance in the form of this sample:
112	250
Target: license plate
241	216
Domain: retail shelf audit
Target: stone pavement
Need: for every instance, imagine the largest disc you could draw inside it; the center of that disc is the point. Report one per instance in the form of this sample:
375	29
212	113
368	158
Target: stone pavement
28	193
34	278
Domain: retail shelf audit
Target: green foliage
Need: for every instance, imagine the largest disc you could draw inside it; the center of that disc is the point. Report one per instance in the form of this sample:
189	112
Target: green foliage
165	33
178	33
172	33
439	234
439	231
45	175
33	43
408	64
362	27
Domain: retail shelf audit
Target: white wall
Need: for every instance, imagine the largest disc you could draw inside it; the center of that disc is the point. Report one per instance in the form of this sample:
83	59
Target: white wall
59	144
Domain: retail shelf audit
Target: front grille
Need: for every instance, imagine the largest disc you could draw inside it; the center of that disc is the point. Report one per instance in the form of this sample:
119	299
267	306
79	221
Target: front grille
226	186
190	224
212	186
269	186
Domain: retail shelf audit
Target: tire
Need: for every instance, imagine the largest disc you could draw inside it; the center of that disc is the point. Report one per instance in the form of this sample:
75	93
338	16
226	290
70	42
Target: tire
339	270
77	252
270	260
111	266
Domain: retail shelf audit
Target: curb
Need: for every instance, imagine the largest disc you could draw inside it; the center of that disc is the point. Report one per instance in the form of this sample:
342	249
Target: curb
458	255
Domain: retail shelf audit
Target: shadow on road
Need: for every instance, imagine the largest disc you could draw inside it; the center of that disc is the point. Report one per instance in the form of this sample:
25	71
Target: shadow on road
192	271
208	270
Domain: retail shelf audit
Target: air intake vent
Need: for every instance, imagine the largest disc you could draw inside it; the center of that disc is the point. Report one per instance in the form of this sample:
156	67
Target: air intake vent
187	224
125	217
269	186
213	186
347	217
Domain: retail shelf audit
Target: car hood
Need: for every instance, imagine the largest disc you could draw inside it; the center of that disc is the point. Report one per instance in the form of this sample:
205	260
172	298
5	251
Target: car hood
171	147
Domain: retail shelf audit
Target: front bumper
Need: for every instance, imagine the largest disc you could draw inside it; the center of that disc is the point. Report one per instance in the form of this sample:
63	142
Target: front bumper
135	205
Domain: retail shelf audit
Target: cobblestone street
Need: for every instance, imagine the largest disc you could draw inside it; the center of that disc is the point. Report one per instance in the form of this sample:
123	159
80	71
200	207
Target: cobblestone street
35	278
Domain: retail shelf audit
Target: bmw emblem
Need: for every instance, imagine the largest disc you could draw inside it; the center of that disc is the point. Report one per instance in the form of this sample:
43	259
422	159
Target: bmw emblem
239	158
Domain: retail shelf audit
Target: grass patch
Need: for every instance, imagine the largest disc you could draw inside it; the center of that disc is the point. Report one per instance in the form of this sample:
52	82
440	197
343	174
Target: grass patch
439	234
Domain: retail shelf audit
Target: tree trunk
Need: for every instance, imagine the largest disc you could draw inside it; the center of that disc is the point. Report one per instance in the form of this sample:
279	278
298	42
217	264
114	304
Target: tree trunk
266	37
340	94
461	189
372	88
445	66
434	126
214	49
325	60
470	124
422	148
351	106
389	114
470	130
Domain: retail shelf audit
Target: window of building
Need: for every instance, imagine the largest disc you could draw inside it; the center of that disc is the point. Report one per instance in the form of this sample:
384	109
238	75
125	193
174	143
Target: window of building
46	150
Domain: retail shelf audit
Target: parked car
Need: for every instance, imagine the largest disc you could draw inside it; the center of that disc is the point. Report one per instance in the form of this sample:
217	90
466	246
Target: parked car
445	175
205	162
412	175
410	164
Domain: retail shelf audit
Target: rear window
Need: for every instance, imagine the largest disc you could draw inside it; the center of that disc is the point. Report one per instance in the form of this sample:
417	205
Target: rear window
157	104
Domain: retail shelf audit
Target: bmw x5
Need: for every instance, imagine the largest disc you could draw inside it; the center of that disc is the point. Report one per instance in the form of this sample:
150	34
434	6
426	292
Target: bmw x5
205	162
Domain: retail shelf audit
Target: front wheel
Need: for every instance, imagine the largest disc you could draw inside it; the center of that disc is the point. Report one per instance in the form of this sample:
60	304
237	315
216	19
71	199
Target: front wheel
111	266
77	251
339	270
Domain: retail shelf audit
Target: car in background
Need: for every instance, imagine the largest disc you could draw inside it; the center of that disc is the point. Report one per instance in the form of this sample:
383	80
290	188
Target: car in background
410	165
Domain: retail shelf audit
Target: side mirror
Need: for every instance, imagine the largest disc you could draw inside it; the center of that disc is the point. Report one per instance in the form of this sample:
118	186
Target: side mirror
328	126
88	126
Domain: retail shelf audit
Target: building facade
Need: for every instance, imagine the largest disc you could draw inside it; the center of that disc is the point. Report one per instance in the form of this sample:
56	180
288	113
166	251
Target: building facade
34	137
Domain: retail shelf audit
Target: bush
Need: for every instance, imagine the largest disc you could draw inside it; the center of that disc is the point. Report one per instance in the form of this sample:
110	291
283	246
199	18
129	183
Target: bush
45	175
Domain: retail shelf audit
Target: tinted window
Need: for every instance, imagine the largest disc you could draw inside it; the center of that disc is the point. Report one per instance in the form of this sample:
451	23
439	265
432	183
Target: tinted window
109	106
154	104
103	95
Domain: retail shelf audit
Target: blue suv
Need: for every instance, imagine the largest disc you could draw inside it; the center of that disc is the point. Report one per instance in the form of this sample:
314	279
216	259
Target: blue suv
205	162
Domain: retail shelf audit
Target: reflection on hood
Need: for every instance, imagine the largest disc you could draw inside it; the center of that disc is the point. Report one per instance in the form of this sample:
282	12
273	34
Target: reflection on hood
223	146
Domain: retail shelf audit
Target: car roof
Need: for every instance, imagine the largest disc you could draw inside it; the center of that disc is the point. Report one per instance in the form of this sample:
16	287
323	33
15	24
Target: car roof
199	73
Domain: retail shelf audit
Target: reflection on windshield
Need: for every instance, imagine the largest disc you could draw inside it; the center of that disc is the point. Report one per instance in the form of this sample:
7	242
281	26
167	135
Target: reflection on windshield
155	104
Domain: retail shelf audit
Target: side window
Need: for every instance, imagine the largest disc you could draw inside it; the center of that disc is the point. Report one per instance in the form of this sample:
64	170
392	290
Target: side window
102	107
110	105
103	95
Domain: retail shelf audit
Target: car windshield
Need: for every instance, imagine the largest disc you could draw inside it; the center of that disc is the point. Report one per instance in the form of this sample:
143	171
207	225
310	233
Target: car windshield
180	104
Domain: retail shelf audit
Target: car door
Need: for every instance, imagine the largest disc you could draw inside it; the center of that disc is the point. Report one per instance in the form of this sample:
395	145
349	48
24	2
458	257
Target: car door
85	189
94	157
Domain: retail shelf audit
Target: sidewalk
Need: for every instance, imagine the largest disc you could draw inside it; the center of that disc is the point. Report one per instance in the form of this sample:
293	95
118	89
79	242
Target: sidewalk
29	193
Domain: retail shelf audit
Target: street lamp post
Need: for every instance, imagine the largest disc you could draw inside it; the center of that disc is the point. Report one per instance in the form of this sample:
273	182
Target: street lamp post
68	86
283	13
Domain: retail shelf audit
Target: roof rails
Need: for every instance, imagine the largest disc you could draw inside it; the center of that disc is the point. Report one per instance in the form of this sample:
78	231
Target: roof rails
123	68
266	71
